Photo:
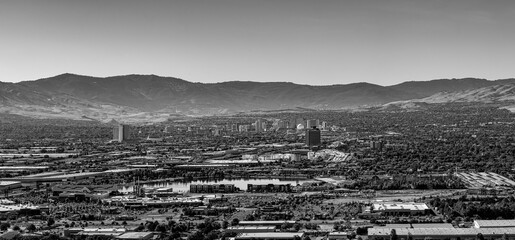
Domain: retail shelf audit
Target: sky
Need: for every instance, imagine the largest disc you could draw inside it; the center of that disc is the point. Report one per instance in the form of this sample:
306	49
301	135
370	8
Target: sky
317	42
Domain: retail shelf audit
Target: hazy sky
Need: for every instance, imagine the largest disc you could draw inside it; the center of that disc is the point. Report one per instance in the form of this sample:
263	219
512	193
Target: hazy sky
311	42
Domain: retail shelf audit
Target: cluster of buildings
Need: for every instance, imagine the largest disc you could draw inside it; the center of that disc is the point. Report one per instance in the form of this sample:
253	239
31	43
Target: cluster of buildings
115	233
484	180
9	208
269	188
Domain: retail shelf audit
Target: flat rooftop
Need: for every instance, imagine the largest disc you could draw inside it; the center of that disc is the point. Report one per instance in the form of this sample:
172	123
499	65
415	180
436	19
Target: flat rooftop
23	167
400	206
8	183
417	225
441	232
270	235
494	223
251	227
135	235
265	222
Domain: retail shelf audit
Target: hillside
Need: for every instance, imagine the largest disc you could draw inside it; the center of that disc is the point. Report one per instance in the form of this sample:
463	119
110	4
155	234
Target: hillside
496	93
144	98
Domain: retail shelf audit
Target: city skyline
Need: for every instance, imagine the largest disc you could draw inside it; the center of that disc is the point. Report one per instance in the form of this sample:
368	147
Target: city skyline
322	43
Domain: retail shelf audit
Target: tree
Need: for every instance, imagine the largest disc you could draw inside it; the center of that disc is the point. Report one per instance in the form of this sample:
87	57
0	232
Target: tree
410	237
151	226
16	228
225	224
362	231
336	226
211	236
235	222
296	226
393	235
198	235
161	228
31	228
175	235
4	226
284	226
480	236
50	221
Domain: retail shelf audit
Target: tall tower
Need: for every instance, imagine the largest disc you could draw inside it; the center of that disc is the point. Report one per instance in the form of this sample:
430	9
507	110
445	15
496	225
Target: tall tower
313	137
312	123
259	125
121	133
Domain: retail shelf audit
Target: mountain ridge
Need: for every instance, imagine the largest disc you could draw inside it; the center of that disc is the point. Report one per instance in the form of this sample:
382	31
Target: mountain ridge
155	97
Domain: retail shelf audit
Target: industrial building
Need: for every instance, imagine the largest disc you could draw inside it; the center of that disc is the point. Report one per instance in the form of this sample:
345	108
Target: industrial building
494	223
250	229
442	233
270	235
8	185
266	223
401	209
135	235
111	232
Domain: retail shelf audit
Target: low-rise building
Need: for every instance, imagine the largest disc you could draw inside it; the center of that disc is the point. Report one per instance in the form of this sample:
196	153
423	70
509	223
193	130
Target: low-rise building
93	231
401	209
270	235
135	235
250	229
494	223
266	223
442	233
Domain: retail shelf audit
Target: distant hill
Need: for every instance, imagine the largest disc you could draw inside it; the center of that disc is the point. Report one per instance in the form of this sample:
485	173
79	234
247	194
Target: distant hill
502	95
155	98
489	94
428	88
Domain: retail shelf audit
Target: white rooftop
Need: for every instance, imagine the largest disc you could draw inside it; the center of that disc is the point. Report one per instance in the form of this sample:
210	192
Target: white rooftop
400	206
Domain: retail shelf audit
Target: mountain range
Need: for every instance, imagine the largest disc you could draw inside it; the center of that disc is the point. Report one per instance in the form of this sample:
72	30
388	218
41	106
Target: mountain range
143	98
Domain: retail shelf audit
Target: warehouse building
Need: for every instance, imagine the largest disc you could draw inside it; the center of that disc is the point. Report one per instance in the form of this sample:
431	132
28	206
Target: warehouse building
250	229
442	233
401	209
270	236
494	223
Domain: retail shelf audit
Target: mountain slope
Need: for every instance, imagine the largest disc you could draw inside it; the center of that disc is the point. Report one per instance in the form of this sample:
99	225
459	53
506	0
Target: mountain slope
496	93
155	98
428	88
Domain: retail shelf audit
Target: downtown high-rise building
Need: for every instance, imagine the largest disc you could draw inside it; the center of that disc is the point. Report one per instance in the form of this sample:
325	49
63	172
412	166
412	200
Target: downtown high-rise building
121	133
312	123
313	137
260	125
